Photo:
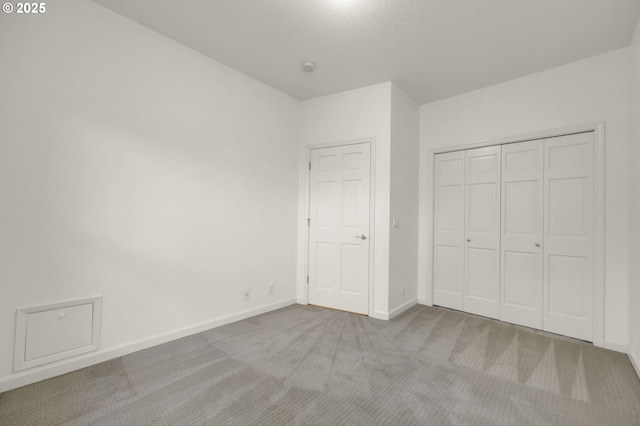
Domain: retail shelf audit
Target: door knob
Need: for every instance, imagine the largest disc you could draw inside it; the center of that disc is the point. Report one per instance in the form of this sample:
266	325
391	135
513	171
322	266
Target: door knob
468	240
537	244
362	237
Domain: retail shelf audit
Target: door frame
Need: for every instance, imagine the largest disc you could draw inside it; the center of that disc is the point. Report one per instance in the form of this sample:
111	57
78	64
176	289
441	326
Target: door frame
598	130
372	203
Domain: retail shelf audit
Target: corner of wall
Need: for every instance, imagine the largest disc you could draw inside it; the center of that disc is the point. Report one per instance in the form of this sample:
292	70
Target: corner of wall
357	114
404	201
403	307
634	201
634	357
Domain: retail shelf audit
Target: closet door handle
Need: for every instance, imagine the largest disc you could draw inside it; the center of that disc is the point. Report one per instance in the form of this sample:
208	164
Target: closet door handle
468	240
537	244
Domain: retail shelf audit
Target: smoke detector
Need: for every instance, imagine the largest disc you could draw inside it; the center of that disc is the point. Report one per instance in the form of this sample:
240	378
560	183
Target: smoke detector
308	66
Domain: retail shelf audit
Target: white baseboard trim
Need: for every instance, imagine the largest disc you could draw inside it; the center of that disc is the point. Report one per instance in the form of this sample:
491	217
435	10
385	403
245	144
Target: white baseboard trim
380	315
618	347
61	367
635	361
301	302
424	302
400	309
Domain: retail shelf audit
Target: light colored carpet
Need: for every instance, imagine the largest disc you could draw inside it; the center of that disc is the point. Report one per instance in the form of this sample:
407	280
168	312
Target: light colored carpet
305	365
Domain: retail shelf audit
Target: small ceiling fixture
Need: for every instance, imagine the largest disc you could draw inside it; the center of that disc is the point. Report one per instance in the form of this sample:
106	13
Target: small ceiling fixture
308	66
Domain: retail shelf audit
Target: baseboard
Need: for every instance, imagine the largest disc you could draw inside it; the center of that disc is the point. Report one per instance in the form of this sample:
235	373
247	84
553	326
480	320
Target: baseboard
301	302
618	347
635	361
382	315
61	367
400	309
424	302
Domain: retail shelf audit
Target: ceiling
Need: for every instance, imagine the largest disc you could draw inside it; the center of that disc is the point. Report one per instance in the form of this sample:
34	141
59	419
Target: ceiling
432	49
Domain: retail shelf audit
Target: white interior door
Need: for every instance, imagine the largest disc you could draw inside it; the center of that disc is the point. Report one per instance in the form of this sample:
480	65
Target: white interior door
339	227
448	254
482	228
569	235
522	234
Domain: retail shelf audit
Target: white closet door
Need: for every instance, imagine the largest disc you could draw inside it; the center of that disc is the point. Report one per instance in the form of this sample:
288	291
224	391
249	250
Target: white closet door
482	224
448	273
522	234
569	233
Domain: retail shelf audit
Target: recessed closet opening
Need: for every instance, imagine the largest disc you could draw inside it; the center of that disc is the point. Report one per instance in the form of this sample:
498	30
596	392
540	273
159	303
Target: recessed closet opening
518	231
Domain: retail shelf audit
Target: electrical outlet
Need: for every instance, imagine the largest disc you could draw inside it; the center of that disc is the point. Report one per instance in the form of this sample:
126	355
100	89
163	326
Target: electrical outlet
270	289
402	291
246	293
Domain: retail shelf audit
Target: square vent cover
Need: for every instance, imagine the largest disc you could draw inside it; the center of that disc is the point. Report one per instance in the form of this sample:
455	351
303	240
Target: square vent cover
57	331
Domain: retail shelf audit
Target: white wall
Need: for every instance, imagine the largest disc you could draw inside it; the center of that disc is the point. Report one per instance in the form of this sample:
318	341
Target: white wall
134	168
634	210
403	241
592	90
353	115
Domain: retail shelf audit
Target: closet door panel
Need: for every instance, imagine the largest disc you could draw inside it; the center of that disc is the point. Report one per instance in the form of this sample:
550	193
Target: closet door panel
482	228
448	253
522	232
569	234
514	233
